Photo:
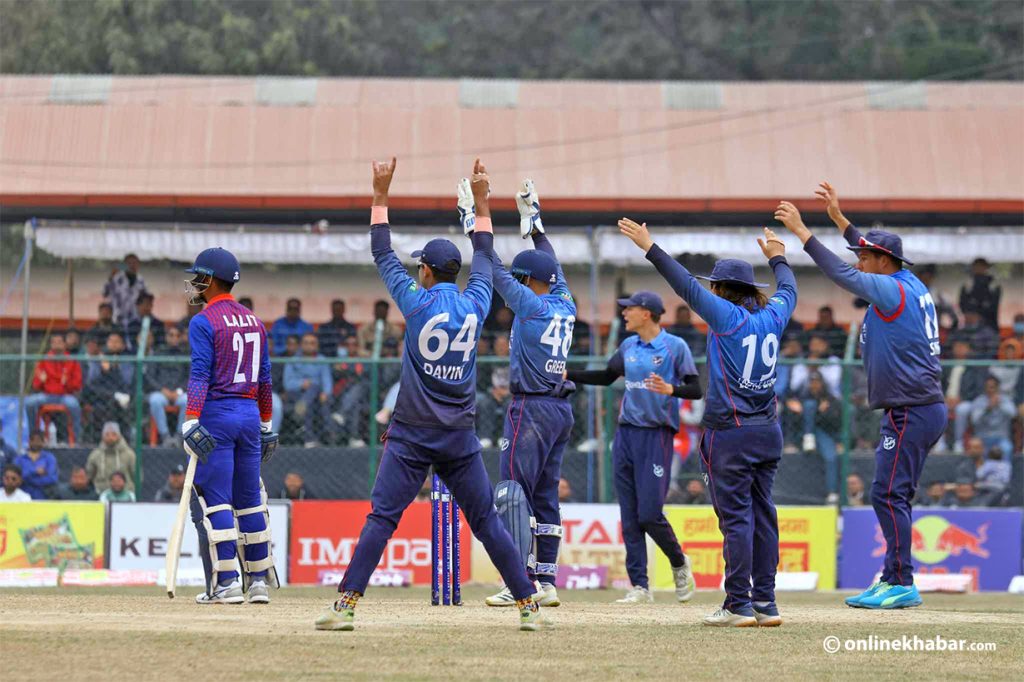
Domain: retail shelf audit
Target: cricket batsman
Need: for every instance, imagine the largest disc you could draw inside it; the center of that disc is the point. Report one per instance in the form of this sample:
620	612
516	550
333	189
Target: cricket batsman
227	428
900	344
433	421
741	445
539	419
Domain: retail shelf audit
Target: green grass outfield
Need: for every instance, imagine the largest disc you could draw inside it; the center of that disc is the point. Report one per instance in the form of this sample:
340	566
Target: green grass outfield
139	634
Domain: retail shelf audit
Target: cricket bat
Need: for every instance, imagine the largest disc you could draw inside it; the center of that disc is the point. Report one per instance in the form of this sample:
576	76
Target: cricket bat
178	531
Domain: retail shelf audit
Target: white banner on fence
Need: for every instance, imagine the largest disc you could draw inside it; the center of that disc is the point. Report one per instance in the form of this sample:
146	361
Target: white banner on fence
138	537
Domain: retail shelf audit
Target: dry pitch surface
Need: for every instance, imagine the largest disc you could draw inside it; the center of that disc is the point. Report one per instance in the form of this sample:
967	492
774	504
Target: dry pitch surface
138	634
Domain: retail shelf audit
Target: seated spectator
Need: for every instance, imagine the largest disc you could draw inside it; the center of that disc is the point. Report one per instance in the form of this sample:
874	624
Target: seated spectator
684	329
12	491
383	415
113	454
822	420
984	340
992	415
294	488
833	334
352	394
291	324
961	384
962	495
144	309
854	491
73	341
1011	375
564	491
38	468
333	332
981	294
246	302
78	488
57	382
166	384
118	490
948	320
791	349
501	345
368	331
491	408
92	348
123	288
581	338
108	382
694	492
291	349
992	479
307	387
191	310
974	457
500	319
171	490
831	372
933	495
7	451
104	323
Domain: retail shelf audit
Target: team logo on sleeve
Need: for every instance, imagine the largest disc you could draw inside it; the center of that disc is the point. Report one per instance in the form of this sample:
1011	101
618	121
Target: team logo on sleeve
888	442
776	299
503	444
413	286
659	470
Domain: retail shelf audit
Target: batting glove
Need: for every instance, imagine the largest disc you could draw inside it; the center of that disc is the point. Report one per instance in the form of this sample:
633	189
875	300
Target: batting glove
268	442
467	207
197	440
529	210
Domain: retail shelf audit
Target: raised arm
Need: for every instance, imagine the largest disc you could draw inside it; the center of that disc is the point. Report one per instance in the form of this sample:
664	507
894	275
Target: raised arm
784	298
721	315
530	224
480	288
403	289
600	377
883	291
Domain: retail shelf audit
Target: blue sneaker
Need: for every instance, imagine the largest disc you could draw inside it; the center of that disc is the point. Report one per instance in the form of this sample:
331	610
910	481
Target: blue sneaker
893	597
856	600
767	614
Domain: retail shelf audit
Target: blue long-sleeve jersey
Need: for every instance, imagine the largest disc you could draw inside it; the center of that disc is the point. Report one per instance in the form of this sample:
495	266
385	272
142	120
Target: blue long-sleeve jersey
900	334
541	332
442	327
743	346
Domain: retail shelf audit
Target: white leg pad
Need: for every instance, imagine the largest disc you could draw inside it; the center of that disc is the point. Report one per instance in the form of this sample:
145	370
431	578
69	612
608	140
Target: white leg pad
216	536
256	538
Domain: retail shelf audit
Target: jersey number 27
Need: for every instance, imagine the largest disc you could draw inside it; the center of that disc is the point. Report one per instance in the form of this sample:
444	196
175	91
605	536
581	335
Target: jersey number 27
238	344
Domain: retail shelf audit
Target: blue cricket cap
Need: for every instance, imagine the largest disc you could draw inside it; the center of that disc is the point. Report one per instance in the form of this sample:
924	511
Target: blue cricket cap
645	299
882	242
733	270
536	264
441	255
216	262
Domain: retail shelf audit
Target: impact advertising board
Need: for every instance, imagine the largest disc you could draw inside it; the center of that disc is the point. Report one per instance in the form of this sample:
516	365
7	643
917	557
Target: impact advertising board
51	535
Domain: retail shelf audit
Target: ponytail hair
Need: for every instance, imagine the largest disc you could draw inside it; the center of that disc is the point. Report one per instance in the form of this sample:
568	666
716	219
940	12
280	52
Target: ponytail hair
743	295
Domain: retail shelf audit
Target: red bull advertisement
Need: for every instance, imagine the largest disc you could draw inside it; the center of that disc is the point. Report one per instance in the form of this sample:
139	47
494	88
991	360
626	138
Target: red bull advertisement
983	543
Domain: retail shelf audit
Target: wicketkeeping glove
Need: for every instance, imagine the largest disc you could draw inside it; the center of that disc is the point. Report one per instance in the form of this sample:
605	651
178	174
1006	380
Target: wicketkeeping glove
529	210
268	442
467	206
197	440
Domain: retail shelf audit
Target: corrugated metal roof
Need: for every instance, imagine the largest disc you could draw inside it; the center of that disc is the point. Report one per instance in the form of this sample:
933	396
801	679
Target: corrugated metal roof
584	141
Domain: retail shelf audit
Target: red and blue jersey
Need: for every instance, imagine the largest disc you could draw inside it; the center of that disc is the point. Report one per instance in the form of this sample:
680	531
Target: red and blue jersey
229	357
900	335
743	345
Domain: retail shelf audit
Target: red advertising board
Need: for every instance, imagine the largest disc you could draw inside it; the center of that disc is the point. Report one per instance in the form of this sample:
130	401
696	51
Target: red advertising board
324	536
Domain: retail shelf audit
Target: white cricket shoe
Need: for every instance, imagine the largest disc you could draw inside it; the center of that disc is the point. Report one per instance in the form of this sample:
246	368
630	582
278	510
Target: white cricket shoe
810	442
259	593
223	594
503	598
546	595
685	584
637	595
724	618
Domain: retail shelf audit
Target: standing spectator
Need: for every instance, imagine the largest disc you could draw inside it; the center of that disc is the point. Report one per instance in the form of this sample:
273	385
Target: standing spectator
12	491
144	309
827	328
948	320
38	468
108	382
167	383
854	491
934	495
104	323
72	341
123	289
831	373
307	387
171	490
791	349
294	488
332	334
113	454
118	490
983	339
961	384
1011	376
367	332
992	415
683	327
822	417
981	294
491	408
57	382
78	488
291	324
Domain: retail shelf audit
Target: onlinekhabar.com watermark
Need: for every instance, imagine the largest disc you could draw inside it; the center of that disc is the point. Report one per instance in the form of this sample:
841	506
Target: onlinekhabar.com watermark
834	645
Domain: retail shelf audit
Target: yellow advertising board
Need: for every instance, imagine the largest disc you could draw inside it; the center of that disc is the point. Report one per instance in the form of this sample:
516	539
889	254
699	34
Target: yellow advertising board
51	534
807	542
